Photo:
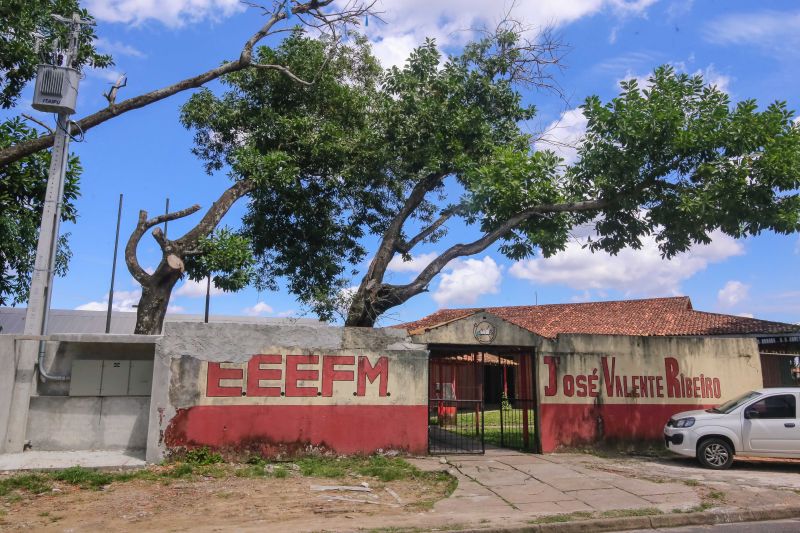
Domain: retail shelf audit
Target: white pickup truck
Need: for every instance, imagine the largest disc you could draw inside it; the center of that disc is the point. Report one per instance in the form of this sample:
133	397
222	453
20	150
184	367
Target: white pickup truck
761	423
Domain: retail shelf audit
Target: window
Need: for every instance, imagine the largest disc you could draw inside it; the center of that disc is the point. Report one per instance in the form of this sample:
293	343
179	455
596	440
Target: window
782	406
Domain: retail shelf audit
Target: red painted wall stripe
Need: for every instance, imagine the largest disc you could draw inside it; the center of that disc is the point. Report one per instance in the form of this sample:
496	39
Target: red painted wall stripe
343	428
564	424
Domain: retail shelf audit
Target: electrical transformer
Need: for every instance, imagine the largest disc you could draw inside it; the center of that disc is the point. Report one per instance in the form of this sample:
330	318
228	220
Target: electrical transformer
56	89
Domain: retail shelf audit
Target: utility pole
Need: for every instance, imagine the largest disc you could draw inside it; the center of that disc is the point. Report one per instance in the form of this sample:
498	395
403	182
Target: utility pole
41	289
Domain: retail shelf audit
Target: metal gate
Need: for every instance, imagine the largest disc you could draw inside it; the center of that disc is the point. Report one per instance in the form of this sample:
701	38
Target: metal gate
517	425
455	426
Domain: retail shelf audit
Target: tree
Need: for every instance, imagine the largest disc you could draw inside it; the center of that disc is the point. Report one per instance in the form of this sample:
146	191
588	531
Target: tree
311	13
27	34
287	148
22	188
675	160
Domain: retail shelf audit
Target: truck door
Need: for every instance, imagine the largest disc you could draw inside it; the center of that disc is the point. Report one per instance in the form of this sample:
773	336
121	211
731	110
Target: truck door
770	425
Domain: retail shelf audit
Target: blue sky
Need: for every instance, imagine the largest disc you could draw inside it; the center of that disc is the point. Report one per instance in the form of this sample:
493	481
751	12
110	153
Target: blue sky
749	49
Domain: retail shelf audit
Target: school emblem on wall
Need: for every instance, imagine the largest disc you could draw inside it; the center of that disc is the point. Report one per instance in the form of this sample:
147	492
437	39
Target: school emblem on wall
484	332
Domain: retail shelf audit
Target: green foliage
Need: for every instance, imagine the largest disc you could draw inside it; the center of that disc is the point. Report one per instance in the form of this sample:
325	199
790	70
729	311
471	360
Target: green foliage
202	456
677	160
227	256
19	20
22	189
301	146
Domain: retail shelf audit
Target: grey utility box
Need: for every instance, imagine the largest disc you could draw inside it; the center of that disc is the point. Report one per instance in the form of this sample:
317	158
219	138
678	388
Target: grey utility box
141	378
56	89
86	376
111	377
115	377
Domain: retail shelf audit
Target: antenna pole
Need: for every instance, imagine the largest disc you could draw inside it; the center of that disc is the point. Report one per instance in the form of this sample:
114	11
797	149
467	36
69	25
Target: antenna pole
208	296
166	212
113	268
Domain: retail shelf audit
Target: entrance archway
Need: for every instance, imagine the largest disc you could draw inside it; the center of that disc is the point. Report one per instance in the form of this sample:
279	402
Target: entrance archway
481	396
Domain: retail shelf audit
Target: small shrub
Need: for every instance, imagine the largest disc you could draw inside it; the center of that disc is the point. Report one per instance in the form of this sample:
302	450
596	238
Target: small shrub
202	456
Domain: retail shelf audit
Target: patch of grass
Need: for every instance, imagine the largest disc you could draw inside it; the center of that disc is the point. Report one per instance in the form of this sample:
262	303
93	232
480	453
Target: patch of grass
558	518
34	483
691	482
180	470
705	506
587	515
212	470
280	472
716	495
250	471
83	477
622	513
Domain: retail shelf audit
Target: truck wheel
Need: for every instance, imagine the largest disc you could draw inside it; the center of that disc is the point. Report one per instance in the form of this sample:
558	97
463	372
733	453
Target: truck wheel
715	453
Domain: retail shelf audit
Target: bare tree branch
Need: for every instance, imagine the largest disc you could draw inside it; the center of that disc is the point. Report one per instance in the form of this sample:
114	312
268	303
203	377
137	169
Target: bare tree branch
406	247
277	14
421	282
37	121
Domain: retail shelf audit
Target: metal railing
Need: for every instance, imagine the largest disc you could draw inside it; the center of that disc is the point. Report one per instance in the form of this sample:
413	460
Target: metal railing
517	425
455	426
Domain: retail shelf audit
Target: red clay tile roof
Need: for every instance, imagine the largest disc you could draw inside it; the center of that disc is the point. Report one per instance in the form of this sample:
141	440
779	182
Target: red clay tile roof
649	317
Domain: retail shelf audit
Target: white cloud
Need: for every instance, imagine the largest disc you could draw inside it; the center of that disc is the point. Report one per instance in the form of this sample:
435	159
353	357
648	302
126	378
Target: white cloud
732	293
173	13
564	135
452	22
257	310
466	280
197	289
632	272
117	48
745	315
287	313
175	309
123	301
414	266
774	30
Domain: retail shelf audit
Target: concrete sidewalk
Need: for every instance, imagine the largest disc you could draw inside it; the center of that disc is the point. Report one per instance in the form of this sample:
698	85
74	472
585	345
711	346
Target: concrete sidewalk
37	460
504	486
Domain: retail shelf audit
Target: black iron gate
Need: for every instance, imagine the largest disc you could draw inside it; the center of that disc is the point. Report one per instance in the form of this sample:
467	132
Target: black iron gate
455	426
517	425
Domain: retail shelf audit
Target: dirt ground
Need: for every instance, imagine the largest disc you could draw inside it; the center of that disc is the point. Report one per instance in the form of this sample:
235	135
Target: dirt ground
224	504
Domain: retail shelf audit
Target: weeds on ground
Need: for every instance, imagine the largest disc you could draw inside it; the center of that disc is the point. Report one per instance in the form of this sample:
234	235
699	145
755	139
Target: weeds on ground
716	495
566	517
691	482
203	463
586	515
622	513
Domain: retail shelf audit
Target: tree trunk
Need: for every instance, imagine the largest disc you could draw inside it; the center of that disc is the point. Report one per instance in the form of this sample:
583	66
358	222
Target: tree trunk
368	305
154	302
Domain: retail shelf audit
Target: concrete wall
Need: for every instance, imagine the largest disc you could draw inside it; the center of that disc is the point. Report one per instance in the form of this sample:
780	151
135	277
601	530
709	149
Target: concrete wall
91	423
42	414
276	387
598	388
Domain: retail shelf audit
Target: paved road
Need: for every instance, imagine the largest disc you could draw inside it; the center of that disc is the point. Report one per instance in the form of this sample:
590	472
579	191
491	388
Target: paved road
775	526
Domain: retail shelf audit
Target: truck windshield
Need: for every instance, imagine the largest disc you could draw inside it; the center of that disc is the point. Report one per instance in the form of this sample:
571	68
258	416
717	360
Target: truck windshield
730	405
